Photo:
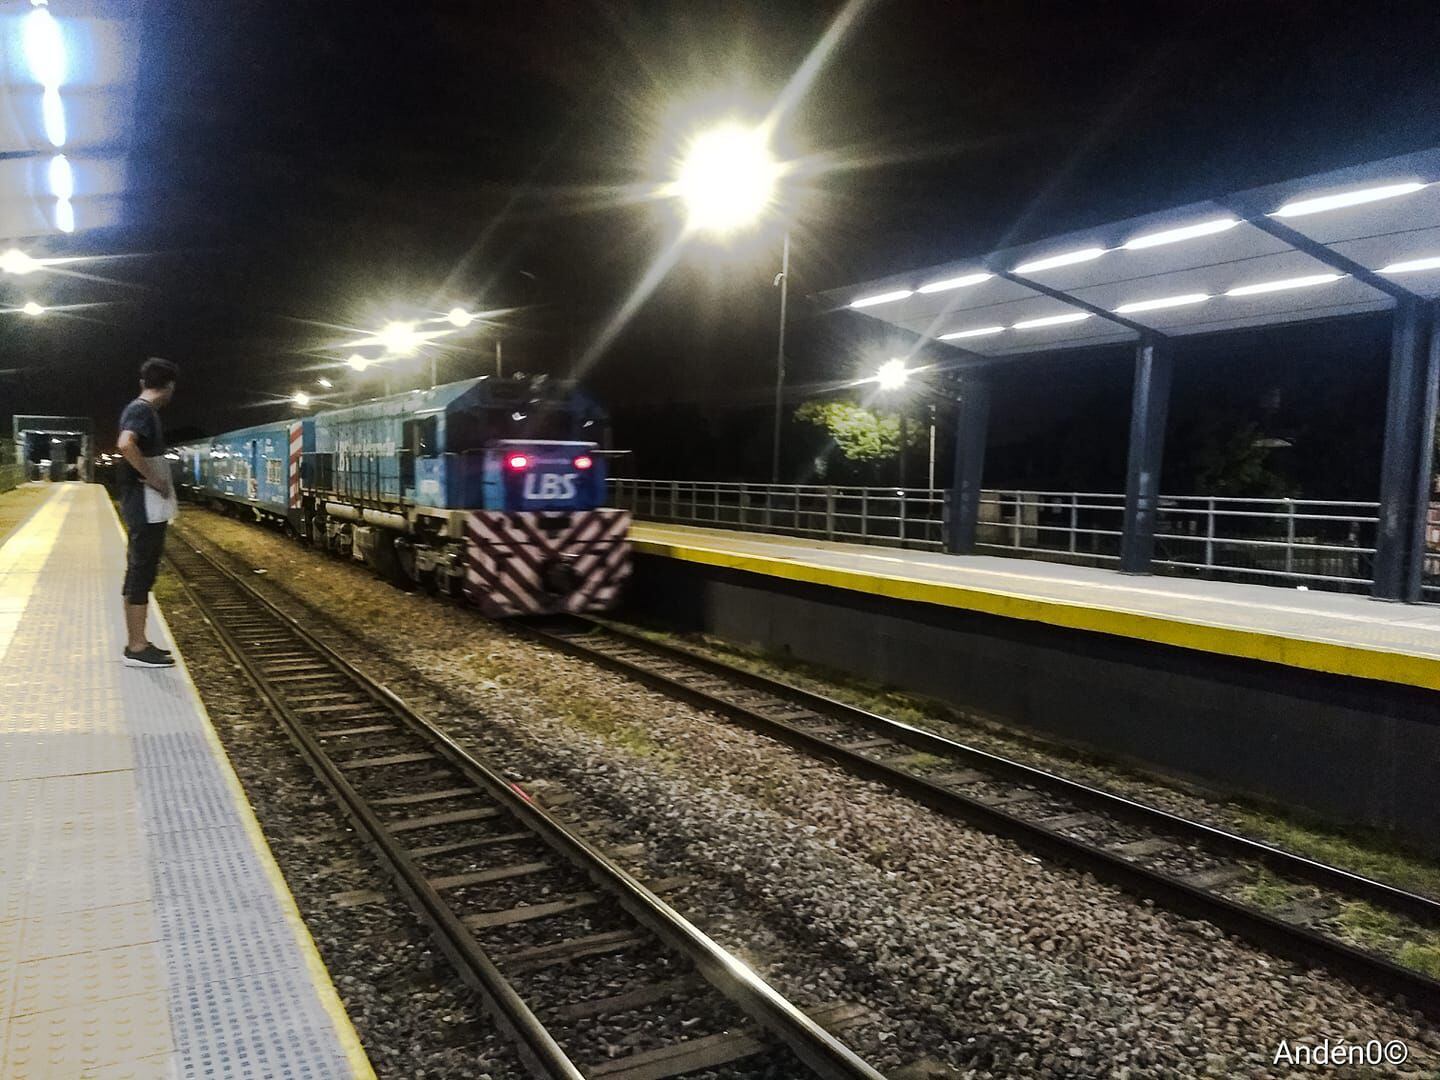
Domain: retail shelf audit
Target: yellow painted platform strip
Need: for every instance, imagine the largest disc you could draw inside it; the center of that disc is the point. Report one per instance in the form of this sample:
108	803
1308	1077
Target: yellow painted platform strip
27	546
1334	658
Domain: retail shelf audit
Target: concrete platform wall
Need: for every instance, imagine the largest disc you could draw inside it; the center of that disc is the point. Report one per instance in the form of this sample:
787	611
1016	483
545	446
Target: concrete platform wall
1348	750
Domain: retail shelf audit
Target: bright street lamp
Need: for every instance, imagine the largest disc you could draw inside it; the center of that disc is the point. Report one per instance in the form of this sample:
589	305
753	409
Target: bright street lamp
357	362
17	262
459	318
892	375
400	338
301	398
728	178
32	308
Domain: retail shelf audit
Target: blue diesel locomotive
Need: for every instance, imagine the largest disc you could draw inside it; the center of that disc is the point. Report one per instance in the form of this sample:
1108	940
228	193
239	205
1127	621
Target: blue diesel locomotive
491	489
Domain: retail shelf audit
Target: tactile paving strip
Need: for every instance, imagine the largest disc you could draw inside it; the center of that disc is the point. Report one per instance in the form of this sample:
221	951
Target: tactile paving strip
144	930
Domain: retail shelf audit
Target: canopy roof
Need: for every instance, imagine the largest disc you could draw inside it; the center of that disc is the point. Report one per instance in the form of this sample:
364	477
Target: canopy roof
1338	243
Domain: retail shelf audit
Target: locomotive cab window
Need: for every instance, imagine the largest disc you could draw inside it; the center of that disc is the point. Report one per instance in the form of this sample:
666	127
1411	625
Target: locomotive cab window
422	437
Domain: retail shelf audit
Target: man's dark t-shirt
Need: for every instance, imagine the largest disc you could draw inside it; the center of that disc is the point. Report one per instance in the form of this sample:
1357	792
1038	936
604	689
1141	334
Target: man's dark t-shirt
141	418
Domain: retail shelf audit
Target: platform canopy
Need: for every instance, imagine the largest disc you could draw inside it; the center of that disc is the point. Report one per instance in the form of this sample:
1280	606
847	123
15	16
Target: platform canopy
1338	243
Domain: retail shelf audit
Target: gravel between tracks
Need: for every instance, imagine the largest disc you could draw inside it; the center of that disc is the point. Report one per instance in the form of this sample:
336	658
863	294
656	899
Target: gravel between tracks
969	950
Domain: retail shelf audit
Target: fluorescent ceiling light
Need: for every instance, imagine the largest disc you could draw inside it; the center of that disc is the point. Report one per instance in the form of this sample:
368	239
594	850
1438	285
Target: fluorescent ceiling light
979	331
1287	283
881	298
61	177
44	48
1162	302
1052	320
52	114
1431	262
1067	259
954	283
1301	207
1184	232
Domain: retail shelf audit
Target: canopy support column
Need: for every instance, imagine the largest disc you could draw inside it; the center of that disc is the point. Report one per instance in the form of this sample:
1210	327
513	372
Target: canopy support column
972	422
1408	459
1150	404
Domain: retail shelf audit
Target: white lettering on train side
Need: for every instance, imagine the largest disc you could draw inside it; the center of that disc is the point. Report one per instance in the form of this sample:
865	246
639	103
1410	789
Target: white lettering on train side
550	485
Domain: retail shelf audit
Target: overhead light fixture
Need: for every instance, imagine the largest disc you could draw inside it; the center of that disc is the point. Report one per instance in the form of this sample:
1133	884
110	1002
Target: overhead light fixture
326	383
882	298
32	308
1069	258
358	362
459	318
729	177
1409	266
61	177
979	331
1184	232
17	262
44	45
400	338
1301	207
301	398
1280	286
892	374
1162	302
52	115
954	283
1052	320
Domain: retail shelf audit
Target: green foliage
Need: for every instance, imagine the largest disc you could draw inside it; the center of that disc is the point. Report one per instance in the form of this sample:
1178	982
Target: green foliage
861	434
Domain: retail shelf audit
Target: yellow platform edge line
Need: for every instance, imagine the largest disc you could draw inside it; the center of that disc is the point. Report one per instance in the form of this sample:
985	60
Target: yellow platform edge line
329	997
1403	668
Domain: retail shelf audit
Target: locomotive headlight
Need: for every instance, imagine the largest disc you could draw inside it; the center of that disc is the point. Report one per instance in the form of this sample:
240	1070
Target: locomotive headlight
518	462
583	462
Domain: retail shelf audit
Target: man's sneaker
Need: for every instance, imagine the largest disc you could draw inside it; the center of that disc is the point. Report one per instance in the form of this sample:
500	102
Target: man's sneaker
157	648
149	656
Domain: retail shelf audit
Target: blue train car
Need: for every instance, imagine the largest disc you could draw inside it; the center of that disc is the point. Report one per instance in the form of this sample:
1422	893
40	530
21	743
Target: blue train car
256	470
490	488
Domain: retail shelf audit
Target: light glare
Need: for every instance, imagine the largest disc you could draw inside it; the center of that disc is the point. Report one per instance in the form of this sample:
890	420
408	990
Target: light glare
892	375
1163	302
1052	320
44	48
979	331
1069	258
459	318
1287	283
1184	232
358	362
728	178
882	298
17	262
52	113
400	338
954	283
61	177
326	383
1301	207
301	398
1431	262
32	308
65	216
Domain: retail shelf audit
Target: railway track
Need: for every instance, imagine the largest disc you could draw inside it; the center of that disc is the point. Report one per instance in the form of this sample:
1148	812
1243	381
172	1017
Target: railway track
1186	866
573	955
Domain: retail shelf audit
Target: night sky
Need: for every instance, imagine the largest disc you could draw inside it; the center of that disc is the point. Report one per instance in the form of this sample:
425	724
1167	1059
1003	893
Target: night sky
298	164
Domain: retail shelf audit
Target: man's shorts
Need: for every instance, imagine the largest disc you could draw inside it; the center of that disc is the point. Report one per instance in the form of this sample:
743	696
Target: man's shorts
147	543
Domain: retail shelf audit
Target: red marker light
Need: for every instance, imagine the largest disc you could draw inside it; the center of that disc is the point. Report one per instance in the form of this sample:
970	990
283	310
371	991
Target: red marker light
518	461
583	462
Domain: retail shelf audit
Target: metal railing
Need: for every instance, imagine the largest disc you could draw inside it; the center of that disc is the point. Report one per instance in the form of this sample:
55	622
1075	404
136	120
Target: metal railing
1328	543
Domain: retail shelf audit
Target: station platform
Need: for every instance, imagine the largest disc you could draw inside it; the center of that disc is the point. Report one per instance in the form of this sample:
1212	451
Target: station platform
1317	631
145	930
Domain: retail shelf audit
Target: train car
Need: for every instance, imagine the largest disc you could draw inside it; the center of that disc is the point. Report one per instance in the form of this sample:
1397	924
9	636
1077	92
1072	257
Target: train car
488	488
255	471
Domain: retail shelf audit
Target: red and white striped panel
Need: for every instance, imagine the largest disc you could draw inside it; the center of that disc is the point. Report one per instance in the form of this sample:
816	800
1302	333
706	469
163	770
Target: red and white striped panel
297	444
507	556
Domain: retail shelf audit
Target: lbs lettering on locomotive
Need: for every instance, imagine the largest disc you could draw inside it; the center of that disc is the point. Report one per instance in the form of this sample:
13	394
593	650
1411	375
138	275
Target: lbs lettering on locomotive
547	486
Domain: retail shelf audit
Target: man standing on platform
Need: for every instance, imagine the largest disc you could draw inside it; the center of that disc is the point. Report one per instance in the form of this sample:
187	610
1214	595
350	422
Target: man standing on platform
144	472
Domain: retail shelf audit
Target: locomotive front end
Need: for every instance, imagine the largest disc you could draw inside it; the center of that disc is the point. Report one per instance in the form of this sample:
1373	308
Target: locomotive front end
544	542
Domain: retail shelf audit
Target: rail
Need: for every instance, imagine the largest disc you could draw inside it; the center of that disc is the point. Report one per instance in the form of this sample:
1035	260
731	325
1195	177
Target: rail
1327	543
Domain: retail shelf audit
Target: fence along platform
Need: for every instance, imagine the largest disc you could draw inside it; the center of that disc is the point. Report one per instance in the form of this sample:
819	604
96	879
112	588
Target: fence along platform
1318	631
145	930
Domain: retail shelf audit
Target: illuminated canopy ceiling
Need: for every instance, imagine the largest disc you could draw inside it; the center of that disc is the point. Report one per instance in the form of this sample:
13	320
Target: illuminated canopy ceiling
1197	269
67	86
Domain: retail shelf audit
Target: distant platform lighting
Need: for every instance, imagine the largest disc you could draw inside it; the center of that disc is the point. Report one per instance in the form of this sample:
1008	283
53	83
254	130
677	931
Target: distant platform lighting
52	113
1052	320
357	362
459	318
961	282
1410	266
728	178
300	398
882	298
32	308
1286	283
1301	207
1184	232
400	338
892	375
1162	302
1069	258
17	262
324	382
977	331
